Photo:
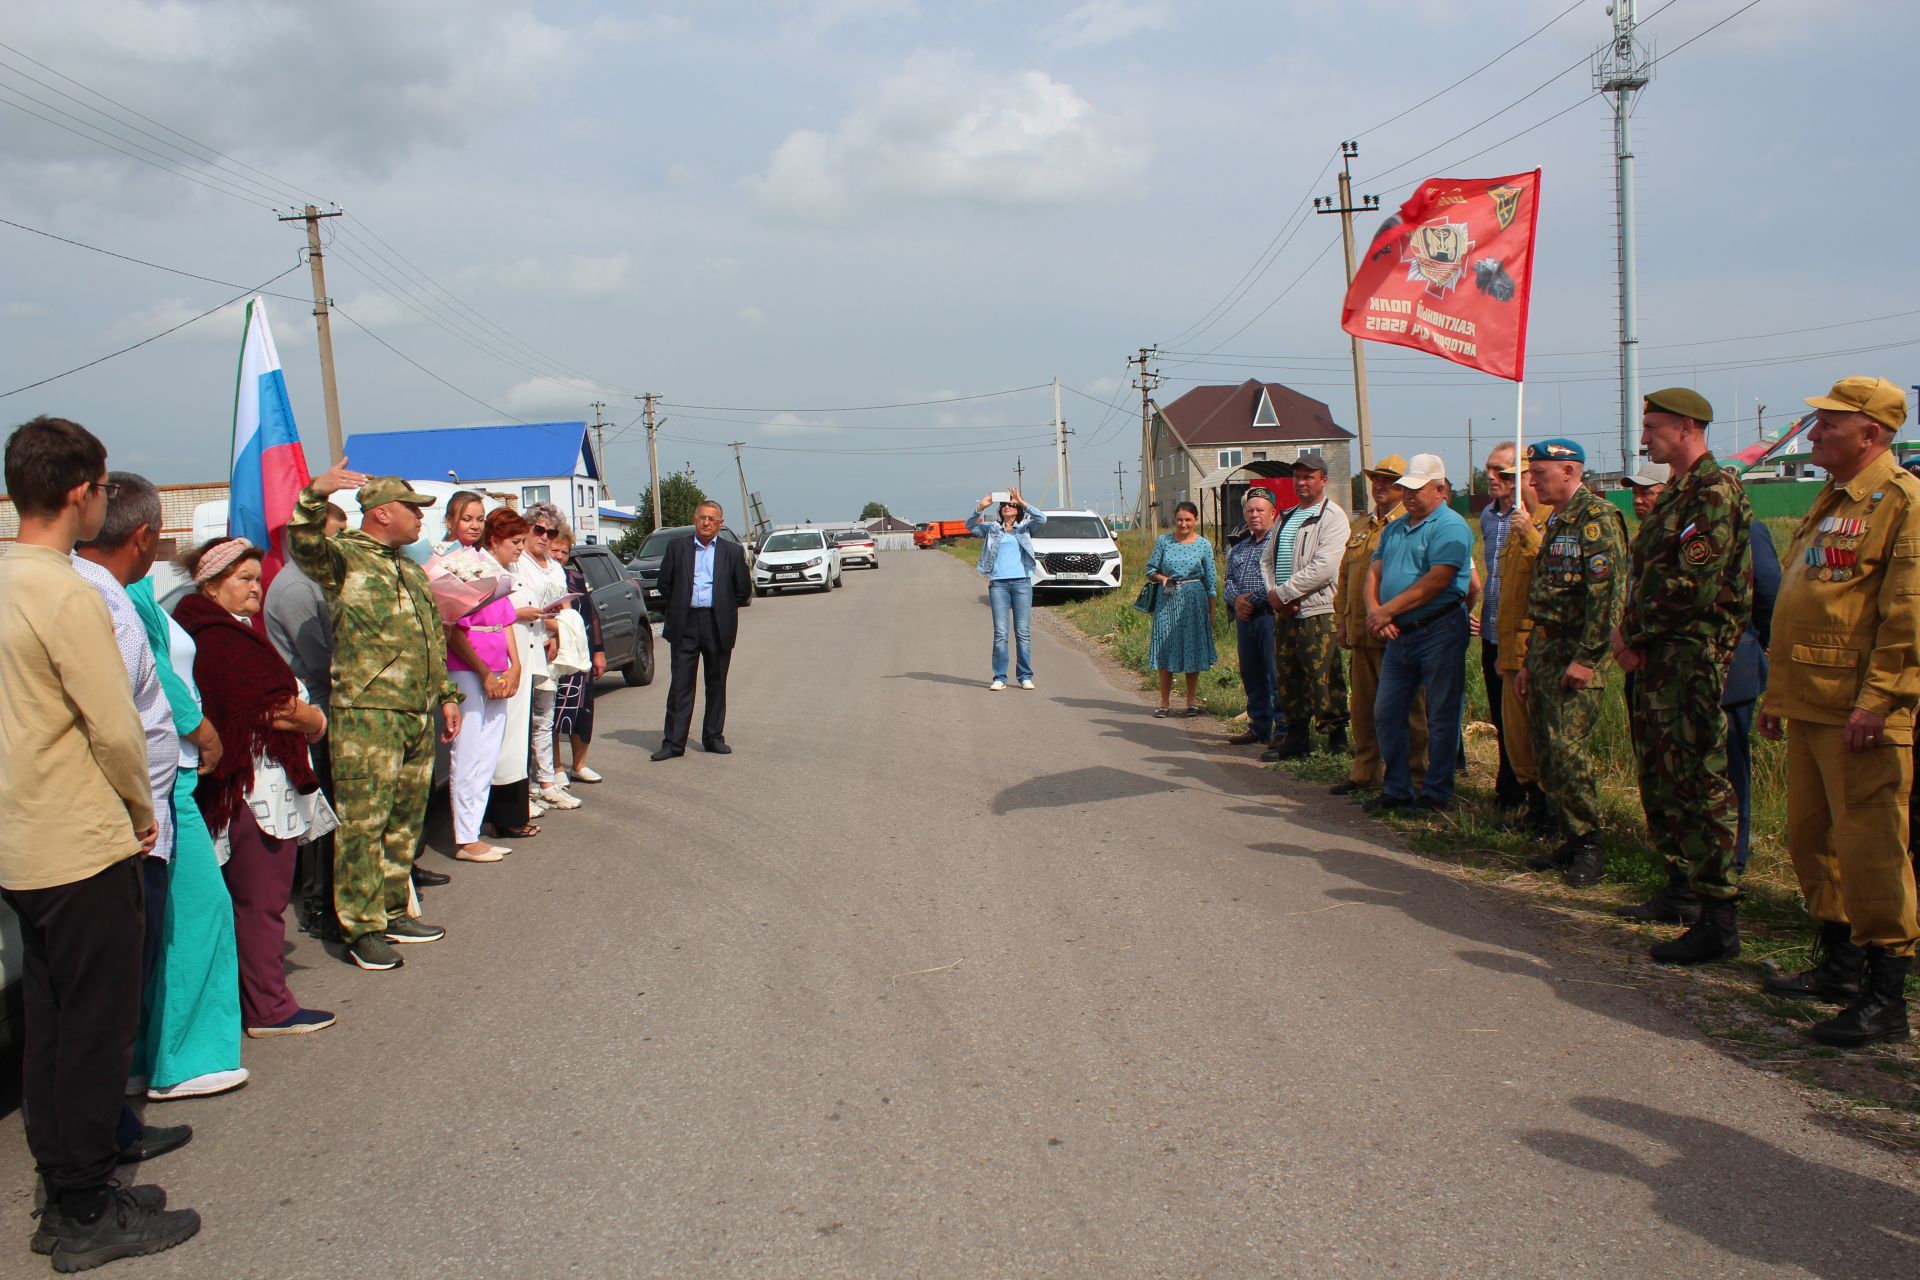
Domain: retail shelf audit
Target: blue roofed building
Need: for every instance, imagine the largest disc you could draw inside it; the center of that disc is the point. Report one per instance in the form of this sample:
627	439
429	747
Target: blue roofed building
523	463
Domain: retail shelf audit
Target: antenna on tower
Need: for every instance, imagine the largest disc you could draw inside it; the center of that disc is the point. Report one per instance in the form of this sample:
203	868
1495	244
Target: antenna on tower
1621	69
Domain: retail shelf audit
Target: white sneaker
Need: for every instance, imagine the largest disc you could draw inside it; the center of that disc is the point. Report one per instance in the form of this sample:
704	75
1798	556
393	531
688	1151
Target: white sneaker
201	1086
535	809
555	798
1027	683
583	774
997	686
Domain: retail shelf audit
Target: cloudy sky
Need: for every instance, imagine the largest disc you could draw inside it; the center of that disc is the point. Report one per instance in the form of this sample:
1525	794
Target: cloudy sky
773	212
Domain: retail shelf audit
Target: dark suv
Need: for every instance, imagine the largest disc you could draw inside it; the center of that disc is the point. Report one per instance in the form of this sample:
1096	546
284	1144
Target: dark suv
645	564
626	633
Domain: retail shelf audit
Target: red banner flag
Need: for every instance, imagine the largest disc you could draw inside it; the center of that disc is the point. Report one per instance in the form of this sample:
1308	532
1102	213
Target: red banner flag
1452	273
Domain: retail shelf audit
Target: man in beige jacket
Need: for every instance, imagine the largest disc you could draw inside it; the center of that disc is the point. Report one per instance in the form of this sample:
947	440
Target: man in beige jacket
76	810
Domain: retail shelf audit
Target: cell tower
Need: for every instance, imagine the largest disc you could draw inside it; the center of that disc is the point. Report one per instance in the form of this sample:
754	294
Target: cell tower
1621	69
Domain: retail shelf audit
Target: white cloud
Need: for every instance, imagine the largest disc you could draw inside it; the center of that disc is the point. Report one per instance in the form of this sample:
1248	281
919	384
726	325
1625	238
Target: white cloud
293	328
942	130
579	276
23	311
819	16
793	424
755	317
1099	22
380	311
544	400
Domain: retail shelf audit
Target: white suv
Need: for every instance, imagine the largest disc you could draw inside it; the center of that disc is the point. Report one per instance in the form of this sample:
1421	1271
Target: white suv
1074	551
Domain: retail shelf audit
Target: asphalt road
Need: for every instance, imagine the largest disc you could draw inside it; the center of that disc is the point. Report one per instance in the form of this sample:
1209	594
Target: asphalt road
929	981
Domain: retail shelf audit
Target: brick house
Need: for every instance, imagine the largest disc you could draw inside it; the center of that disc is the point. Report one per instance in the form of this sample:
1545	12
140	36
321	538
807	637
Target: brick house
1201	439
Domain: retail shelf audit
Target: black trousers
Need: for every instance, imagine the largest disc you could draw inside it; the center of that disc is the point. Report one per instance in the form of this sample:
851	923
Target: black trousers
698	646
1506	787
80	985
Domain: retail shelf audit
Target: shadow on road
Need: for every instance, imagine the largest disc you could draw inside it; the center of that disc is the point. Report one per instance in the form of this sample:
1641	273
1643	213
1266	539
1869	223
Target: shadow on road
1749	1197
1080	786
939	677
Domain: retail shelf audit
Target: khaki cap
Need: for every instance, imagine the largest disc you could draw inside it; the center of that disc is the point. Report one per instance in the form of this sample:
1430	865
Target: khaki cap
381	490
1879	399
1682	402
1391	467
1649	474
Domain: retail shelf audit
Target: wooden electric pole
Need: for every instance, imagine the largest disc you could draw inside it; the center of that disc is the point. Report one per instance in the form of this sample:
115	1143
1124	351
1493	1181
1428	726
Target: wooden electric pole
1120	479
1147	381
653	455
1019	472
1346	208
600	446
316	259
745	514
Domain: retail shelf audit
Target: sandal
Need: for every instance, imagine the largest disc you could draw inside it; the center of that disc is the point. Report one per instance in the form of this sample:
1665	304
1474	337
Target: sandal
1161	713
527	832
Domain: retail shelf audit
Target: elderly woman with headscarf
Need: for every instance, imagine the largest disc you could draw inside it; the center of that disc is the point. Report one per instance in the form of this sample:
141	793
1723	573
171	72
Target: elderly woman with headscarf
263	799
539	583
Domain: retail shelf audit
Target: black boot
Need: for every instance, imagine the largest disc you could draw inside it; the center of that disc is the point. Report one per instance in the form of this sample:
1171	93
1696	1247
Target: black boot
1556	859
1540	821
1677	903
1839	971
1589	862
1880	1013
1715	936
1292	747
1337	741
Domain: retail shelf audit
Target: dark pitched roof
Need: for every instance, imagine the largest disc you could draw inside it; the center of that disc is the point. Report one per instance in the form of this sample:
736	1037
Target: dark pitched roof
1224	415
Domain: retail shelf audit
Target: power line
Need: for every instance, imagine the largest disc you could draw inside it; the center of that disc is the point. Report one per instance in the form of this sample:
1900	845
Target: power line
856	408
422	368
155	338
191	275
1471	74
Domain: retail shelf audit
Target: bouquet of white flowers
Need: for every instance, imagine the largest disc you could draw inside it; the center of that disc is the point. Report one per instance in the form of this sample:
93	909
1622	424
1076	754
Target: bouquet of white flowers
464	579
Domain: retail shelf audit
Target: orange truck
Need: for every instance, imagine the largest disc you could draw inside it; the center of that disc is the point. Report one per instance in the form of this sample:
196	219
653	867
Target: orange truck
935	532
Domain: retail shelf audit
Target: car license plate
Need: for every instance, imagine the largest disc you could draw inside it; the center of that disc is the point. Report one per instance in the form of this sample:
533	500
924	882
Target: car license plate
786	573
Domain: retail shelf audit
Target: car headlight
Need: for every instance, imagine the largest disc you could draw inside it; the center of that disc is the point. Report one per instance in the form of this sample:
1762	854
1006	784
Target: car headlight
813	563
1109	555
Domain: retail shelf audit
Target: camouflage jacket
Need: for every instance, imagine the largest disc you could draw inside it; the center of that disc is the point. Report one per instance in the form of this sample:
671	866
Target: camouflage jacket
1579	578
389	652
1691	575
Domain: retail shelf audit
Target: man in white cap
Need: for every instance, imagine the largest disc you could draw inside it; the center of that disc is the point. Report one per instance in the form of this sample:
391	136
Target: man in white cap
1416	602
1648	481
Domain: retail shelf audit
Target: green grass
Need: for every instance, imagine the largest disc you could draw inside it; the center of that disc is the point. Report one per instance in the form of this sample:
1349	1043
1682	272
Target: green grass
1774	927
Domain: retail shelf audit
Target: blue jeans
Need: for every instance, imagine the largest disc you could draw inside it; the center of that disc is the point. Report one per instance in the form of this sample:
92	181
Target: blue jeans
1740	774
1012	597
1433	658
1259	674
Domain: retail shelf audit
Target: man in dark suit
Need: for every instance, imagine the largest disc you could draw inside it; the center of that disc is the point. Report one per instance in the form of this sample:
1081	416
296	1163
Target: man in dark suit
703	582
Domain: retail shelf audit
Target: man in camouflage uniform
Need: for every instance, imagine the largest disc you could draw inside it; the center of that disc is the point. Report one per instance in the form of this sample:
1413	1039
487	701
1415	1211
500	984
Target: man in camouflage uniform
389	672
1513	630
1689	594
1574	602
1305	545
1350	633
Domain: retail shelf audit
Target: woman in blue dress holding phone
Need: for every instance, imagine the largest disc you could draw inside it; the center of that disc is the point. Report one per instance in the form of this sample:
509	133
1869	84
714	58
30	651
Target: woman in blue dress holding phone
1182	566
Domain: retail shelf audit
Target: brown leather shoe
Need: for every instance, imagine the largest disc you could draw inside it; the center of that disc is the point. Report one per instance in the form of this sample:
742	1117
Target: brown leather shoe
1244	739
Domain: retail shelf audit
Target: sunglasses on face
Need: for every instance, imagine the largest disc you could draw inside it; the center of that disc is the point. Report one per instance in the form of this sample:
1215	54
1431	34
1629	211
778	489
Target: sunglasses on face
542	530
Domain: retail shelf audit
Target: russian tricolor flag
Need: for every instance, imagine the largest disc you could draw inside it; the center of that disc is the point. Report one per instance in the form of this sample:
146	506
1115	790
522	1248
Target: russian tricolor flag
269	466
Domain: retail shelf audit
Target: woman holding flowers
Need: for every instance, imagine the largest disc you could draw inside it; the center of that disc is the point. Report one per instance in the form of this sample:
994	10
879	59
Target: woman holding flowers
484	660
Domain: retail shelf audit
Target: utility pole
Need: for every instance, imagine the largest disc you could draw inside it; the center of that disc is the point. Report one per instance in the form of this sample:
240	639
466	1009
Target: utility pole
336	444
1147	380
1120	482
1622	69
1346	208
653	455
740	467
1470	465
600	444
1759	423
1019	472
1062	479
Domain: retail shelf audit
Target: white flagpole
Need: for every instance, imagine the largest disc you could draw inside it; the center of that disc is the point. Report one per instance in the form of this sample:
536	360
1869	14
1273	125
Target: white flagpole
1519	445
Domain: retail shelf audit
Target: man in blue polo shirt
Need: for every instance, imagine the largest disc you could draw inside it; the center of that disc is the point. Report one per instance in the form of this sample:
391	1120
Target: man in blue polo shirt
1416	602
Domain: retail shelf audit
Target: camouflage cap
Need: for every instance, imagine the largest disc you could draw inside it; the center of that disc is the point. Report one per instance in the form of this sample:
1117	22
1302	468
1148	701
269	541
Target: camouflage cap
1682	402
1879	399
381	490
1391	467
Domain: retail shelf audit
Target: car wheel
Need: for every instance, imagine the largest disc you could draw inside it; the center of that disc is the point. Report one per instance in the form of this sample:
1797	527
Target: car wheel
640	671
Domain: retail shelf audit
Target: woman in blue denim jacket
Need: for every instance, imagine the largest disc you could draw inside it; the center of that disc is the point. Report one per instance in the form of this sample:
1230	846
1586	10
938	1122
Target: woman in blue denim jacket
1006	561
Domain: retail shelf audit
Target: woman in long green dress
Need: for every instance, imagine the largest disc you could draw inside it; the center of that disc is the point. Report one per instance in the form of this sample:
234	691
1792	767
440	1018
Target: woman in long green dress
1182	563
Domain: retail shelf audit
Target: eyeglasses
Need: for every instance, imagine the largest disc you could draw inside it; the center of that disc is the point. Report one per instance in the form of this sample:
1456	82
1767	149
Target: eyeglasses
542	530
111	488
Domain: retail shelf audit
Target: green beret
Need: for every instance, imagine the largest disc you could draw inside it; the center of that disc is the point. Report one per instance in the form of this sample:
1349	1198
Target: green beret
1682	402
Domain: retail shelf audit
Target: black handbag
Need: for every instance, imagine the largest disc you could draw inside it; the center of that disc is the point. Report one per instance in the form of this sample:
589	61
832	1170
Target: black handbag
1149	597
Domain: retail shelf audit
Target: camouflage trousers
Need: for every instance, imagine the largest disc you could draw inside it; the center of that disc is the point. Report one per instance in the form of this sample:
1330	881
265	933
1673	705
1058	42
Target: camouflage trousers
1313	679
1562	727
1680	736
382	773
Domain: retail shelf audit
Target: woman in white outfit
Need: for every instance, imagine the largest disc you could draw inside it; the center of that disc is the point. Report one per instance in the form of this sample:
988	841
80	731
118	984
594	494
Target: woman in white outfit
484	661
538	583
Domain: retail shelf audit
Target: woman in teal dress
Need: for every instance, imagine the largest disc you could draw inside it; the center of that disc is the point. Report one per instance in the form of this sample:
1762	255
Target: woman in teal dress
189	1042
1182	563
